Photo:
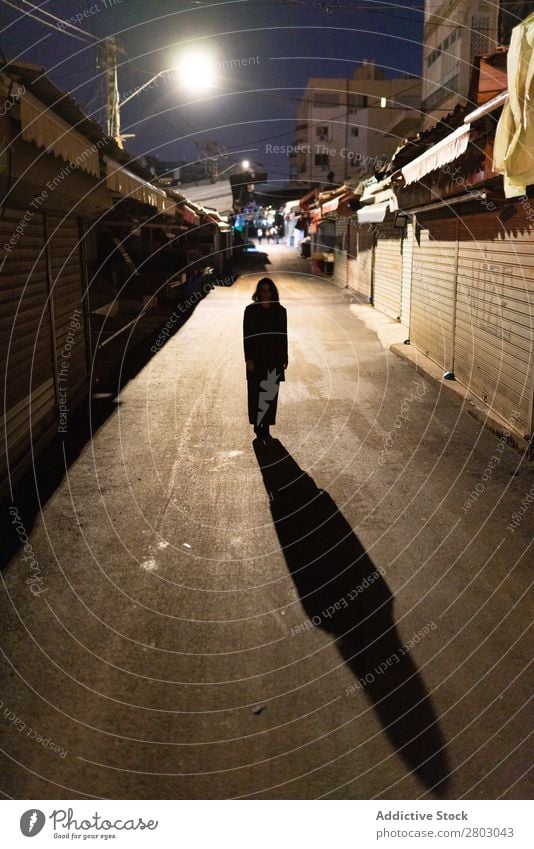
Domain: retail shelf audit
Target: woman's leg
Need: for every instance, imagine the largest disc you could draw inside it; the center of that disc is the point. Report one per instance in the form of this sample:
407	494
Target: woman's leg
268	398
253	390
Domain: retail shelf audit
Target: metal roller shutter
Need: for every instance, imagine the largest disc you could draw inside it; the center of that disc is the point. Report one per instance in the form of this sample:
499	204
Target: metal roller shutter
360	259
340	262
28	408
66	276
495	313
406	280
433	288
326	235
387	272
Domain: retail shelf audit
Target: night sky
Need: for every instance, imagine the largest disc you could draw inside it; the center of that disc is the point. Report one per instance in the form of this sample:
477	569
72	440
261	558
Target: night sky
253	104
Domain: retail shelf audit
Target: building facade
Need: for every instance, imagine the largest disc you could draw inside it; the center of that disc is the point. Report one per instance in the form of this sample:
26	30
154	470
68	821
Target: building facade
350	127
456	32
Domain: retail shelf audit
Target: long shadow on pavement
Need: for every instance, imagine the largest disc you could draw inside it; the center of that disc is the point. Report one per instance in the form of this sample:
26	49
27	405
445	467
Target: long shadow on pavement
343	592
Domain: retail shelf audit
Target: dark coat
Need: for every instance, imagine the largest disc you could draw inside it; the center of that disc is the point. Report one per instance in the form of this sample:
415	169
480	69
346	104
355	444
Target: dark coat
265	338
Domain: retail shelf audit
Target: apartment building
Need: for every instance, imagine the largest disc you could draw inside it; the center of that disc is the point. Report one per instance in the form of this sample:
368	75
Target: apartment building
346	128
455	33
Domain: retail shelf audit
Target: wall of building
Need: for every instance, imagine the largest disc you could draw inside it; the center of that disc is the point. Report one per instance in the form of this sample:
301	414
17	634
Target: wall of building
454	34
343	132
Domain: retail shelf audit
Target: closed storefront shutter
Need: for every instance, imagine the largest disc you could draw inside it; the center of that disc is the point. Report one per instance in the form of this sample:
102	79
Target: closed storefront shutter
340	261
28	393
360	258
433	287
495	312
406	282
67	288
387	271
326	235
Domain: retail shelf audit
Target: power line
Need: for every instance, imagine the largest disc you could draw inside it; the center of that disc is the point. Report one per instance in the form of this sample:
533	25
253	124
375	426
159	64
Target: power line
55	18
46	23
332	7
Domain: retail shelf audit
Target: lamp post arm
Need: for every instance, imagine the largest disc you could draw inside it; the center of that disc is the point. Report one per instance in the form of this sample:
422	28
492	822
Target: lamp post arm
145	85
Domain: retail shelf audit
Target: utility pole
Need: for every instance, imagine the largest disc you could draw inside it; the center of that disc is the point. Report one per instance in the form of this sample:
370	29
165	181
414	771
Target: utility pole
212	152
107	62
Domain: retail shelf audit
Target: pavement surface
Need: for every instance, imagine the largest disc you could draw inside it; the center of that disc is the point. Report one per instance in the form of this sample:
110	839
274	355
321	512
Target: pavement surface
340	613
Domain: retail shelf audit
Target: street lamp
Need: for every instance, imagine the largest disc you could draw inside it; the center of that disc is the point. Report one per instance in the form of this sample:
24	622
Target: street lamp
245	165
196	73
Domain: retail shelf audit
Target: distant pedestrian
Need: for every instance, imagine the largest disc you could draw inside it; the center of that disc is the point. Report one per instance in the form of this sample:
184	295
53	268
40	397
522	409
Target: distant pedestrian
274	235
259	233
265	346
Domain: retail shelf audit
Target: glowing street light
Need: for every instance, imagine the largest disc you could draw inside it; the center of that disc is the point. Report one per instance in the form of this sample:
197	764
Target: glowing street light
245	165
196	71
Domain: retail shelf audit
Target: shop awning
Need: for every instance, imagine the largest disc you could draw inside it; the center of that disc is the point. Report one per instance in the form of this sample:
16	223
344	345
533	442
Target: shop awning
223	226
344	209
446	150
47	130
189	215
307	199
129	185
372	214
331	205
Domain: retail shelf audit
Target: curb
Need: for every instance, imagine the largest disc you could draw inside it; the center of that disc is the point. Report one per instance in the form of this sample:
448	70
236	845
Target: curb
473	405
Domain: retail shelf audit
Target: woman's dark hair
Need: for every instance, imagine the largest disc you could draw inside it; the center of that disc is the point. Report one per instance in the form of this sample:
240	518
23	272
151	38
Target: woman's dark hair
274	291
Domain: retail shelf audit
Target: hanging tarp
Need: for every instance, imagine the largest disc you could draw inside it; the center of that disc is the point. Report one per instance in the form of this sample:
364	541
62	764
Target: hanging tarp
514	137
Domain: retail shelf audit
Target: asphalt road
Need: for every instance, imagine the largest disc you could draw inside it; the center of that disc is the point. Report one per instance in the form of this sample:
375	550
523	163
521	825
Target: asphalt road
164	647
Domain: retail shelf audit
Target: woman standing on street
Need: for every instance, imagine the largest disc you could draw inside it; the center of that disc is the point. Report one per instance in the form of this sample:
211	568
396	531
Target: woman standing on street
265	344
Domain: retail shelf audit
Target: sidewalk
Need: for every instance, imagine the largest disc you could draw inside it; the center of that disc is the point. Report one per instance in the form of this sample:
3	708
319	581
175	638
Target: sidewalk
393	336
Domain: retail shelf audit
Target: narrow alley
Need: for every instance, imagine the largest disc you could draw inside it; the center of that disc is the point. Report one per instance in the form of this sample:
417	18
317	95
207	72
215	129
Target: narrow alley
337	613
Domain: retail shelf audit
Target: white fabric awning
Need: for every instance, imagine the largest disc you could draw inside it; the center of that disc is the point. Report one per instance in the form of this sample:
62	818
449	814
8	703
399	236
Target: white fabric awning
44	128
129	185
215	195
330	206
446	150
373	214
